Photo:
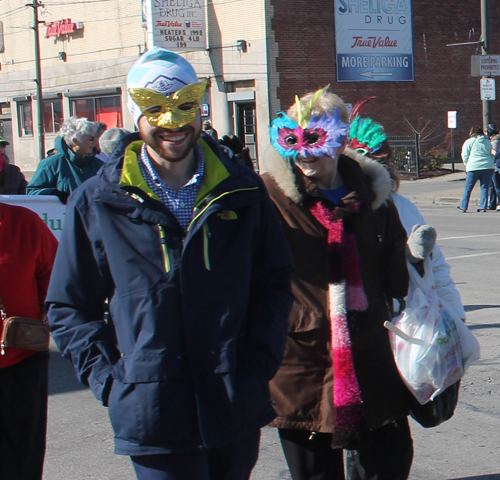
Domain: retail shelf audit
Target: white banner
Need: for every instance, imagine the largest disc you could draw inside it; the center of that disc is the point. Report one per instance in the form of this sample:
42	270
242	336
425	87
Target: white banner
49	208
177	25
374	40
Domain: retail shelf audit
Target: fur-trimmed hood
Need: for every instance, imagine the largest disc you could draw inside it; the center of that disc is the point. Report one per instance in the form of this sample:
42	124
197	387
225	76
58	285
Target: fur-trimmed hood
285	177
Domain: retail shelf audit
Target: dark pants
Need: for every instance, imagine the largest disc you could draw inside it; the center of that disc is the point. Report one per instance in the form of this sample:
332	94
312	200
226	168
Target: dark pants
389	457
231	462
23	418
494	191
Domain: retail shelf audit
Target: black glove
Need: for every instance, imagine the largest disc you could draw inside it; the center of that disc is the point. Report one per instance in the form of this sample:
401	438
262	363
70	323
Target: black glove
63	196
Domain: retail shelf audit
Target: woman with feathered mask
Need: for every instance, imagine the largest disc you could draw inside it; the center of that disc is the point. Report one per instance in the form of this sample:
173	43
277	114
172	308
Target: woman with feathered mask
338	386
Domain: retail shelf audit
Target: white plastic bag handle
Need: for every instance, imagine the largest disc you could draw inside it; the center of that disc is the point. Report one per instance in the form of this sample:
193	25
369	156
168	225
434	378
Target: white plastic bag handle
403	335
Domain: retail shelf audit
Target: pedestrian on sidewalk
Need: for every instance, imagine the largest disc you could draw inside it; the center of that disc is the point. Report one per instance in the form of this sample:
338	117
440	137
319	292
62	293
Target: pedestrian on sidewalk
479	163
494	188
186	247
338	386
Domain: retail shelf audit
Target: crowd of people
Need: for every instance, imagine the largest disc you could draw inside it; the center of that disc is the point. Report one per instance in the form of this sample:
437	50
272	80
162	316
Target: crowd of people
201	301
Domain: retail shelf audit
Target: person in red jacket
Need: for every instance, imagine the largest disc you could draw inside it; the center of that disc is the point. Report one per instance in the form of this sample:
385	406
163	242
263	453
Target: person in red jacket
27	252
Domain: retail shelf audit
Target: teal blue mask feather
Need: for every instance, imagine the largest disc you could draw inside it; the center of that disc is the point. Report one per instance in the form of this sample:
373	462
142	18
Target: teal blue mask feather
366	136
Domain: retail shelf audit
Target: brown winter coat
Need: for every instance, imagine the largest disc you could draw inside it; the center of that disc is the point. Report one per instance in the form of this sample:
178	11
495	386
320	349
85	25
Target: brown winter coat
302	390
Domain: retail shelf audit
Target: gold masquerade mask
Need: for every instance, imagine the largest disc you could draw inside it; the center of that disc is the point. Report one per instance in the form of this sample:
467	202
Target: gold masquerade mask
169	111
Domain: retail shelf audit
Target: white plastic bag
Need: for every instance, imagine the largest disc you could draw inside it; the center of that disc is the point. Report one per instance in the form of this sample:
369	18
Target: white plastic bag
432	349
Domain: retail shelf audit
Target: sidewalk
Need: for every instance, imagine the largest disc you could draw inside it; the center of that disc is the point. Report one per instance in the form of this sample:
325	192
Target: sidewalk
445	190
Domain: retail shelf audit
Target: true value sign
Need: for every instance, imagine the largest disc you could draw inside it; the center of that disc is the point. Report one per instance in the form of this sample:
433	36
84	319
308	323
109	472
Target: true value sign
62	27
485	65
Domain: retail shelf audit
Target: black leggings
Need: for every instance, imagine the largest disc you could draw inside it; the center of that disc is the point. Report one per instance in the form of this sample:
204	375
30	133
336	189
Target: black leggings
310	457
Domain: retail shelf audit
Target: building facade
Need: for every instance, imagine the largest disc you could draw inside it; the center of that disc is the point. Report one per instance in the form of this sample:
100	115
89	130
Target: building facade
442	74
86	50
260	54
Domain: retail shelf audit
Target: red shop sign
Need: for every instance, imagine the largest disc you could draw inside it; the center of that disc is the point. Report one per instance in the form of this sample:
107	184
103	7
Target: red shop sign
61	27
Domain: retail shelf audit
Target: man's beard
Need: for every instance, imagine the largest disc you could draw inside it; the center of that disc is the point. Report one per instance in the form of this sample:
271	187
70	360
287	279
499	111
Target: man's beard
170	151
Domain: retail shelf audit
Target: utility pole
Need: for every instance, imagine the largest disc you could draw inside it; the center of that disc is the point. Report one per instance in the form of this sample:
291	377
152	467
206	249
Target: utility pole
485	50
38	80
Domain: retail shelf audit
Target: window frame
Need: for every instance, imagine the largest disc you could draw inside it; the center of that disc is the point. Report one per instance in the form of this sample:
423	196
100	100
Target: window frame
21	118
54	129
95	100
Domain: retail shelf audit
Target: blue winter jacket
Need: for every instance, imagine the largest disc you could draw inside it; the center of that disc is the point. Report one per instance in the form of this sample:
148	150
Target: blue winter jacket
60	172
197	322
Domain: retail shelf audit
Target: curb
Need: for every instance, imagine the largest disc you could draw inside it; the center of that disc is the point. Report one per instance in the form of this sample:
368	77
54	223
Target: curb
440	200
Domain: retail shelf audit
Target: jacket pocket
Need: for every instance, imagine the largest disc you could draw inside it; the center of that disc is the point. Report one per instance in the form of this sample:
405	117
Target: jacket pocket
155	414
125	412
304	318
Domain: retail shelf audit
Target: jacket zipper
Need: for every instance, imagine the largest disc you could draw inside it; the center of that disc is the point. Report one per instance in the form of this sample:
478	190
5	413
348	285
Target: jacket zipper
164	248
206	235
163	237
136	197
206	231
3	317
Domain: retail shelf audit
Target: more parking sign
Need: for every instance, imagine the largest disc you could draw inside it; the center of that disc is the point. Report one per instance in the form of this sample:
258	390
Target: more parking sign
374	41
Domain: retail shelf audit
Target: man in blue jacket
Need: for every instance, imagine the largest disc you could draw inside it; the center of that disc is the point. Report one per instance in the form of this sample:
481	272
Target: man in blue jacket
186	247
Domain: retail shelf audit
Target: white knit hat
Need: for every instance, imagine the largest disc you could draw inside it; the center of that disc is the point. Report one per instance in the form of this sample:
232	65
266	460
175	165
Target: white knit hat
159	70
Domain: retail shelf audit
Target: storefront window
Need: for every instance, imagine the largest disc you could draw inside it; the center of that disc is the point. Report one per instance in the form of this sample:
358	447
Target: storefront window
52	115
25	119
83	107
109	111
101	109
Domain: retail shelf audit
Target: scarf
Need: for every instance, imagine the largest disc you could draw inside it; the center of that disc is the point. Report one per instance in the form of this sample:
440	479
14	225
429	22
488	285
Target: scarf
345	291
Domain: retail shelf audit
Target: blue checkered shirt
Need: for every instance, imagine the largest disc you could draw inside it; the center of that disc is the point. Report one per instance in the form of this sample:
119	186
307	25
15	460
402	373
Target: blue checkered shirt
180	203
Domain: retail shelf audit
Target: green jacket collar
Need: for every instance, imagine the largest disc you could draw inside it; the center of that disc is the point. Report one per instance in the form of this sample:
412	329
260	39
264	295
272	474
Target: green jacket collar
215	171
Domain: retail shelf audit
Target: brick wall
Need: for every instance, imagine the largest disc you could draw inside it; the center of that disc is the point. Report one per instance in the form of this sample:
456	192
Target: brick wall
305	34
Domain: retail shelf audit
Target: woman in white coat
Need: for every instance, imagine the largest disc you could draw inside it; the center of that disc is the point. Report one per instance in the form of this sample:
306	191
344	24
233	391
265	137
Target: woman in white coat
368	139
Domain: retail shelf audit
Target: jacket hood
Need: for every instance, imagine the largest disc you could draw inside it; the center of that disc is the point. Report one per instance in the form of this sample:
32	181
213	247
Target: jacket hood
285	177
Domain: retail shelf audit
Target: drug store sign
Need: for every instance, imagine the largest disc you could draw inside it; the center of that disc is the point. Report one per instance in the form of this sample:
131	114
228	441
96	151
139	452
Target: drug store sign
374	40
177	25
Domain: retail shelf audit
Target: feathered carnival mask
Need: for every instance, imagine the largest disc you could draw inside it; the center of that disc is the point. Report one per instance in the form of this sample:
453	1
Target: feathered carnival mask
308	137
365	135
